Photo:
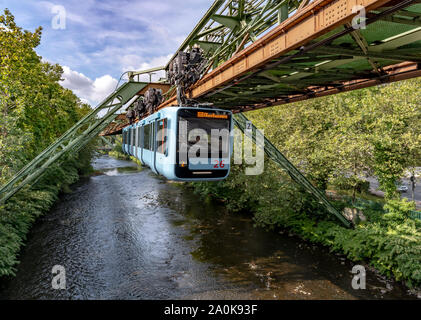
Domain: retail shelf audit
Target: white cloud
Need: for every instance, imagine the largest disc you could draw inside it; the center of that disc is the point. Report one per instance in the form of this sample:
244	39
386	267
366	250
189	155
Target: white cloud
88	90
137	63
104	38
123	35
94	91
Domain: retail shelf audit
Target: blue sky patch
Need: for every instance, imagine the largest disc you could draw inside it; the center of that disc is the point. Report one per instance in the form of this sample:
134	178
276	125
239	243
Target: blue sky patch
102	39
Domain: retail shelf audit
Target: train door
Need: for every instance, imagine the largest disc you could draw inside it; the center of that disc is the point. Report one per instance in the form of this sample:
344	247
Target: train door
136	142
141	144
161	153
153	146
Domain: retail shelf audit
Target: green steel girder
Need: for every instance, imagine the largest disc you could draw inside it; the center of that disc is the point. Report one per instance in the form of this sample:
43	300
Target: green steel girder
275	155
412	22
394	55
107	142
353	55
362	54
208	46
228	22
73	140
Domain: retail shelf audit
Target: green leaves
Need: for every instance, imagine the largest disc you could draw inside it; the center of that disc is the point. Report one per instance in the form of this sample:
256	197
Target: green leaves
340	140
343	138
34	111
398	210
34	108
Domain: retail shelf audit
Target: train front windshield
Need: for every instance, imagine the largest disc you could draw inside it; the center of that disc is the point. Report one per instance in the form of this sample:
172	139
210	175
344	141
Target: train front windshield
203	143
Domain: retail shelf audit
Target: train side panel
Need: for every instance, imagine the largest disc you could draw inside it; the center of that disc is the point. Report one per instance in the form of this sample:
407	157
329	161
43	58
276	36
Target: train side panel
162	159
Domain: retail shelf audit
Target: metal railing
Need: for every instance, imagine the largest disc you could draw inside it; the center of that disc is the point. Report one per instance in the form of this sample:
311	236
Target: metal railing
73	140
415	215
276	156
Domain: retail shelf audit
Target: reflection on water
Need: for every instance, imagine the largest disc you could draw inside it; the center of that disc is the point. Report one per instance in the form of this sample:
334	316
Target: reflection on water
272	265
118	171
128	235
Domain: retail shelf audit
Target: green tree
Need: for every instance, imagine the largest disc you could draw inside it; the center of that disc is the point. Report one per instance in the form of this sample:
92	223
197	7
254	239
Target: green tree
34	108
34	111
302	132
344	138
396	131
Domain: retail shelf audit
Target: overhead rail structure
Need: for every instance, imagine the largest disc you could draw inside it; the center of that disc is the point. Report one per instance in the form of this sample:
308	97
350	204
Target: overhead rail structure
325	47
262	53
73	140
276	156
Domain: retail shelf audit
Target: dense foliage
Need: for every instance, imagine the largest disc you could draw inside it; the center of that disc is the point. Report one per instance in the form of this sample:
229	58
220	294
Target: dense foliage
338	141
343	138
34	111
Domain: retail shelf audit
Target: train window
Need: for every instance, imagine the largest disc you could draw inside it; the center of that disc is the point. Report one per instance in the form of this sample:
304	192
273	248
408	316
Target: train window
147	137
215	129
132	137
124	135
139	137
150	128
161	138
152	136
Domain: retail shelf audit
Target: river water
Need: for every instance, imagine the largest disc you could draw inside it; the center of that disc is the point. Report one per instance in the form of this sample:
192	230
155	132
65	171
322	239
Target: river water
127	234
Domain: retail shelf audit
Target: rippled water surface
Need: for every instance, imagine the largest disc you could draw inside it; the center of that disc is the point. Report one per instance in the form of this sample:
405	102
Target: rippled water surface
126	234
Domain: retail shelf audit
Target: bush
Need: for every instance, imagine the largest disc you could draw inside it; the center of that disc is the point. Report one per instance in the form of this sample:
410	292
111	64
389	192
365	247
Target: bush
360	187
390	242
398	210
21	211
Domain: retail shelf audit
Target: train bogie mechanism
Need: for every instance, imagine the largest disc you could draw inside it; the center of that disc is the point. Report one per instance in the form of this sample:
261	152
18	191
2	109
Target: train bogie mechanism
185	70
145	105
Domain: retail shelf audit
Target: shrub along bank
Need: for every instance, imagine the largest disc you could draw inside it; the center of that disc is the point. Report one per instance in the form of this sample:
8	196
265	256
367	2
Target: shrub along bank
338	141
21	211
390	242
34	111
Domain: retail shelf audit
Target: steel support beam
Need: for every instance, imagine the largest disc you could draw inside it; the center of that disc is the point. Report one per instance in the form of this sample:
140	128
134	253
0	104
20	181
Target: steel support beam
403	73
276	156
395	55
283	39
73	140
107	142
229	21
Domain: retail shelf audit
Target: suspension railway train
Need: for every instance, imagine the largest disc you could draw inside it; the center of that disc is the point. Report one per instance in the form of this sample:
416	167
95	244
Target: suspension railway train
183	143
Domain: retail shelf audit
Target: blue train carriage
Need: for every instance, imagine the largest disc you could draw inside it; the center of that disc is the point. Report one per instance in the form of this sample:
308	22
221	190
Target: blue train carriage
176	142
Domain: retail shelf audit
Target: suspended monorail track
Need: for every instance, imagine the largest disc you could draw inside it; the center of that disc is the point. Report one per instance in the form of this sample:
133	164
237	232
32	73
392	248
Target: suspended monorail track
320	50
262	53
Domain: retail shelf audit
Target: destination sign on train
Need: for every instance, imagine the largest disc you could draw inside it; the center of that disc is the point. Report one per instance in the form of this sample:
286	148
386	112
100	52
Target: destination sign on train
211	115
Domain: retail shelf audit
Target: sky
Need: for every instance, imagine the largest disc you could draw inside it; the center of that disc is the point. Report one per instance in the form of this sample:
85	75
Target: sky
96	41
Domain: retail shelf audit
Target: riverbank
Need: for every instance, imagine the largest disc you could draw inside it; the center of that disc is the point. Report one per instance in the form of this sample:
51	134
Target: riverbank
390	243
126	234
390	246
19	214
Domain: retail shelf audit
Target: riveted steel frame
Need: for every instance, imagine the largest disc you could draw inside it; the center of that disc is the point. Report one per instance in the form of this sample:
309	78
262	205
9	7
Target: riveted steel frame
272	68
307	25
229	25
73	140
276	156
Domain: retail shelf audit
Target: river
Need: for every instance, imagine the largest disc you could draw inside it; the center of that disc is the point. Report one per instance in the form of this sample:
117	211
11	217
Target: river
127	234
